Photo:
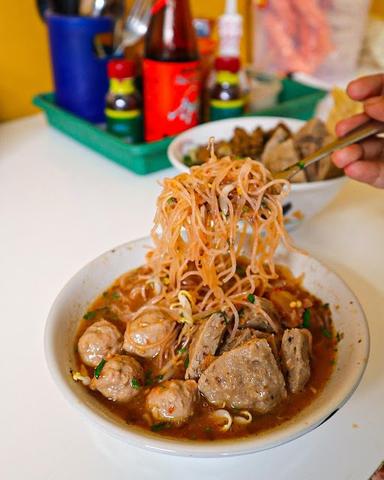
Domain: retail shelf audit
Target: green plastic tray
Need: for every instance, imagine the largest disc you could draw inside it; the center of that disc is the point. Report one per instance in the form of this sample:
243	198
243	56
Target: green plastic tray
295	101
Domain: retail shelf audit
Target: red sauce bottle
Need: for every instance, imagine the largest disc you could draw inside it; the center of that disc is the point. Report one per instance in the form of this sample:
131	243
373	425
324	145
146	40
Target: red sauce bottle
170	72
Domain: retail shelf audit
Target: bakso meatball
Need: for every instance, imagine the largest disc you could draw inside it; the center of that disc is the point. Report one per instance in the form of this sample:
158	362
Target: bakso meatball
119	379
146	330
173	401
101	340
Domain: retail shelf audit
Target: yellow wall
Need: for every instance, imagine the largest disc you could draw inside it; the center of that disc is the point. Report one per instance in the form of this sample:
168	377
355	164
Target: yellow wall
24	54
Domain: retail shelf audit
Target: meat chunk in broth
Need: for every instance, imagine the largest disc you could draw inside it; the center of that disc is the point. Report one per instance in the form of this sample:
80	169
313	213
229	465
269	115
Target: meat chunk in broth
173	401
242	336
246	377
295	353
205	342
101	340
267	319
119	378
144	335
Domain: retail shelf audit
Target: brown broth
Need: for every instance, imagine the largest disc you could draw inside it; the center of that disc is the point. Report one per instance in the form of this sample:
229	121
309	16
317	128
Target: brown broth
200	426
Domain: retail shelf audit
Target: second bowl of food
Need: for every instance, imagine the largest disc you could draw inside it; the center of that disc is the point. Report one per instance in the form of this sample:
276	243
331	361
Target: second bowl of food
275	141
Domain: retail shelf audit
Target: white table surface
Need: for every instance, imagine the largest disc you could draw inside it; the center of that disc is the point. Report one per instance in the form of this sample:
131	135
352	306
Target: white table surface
61	205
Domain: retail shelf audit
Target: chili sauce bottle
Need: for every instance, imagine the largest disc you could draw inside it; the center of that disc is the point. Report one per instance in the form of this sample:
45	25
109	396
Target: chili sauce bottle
226	98
170	72
123	110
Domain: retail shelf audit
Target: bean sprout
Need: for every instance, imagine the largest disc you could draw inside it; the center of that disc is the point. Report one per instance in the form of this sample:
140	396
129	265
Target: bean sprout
224	415
244	417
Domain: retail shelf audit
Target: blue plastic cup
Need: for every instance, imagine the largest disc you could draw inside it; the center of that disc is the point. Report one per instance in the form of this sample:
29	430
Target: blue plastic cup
80	76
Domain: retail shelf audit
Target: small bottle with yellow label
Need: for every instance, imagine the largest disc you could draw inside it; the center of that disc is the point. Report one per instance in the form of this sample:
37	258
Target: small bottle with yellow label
226	98
123	110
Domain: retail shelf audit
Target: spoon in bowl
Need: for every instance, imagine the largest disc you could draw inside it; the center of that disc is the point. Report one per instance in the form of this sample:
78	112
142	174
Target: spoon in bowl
369	129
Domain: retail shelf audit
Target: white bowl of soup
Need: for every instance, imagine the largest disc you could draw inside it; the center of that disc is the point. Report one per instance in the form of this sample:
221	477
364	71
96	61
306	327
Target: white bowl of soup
311	191
339	357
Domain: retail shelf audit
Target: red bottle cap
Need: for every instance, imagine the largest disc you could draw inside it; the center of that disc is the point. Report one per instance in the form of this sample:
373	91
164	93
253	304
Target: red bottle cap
121	68
228	64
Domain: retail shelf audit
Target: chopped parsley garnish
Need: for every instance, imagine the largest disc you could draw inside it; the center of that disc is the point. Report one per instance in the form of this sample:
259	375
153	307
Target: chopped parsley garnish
251	298
156	427
135	383
89	315
115	295
326	333
182	350
171	200
307	318
301	164
99	368
186	362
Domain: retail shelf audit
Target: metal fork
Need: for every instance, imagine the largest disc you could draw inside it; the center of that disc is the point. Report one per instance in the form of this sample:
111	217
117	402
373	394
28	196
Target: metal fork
136	24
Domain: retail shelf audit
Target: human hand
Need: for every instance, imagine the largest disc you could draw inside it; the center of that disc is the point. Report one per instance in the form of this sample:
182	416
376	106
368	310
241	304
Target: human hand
364	161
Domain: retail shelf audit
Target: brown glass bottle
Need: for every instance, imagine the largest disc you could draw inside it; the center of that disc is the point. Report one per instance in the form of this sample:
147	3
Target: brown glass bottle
170	71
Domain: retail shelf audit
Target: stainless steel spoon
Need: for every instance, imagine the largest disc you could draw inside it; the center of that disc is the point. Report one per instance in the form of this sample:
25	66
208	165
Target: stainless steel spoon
369	129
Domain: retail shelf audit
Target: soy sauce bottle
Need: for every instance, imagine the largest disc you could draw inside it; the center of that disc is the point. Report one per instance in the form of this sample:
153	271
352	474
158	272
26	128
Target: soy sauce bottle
123	103
170	71
226	98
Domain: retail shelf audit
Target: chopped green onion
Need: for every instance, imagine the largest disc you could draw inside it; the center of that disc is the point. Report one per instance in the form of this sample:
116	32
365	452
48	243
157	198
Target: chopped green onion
186	362
156	427
99	368
171	200
307	318
159	378
326	333
251	298
115	295
301	164
135	383
89	315
187	160
182	350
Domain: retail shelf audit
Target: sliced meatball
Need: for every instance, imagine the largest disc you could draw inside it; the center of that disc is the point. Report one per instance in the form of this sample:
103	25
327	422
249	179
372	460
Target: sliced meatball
101	340
246	377
267	319
120	378
144	335
173	401
205	342
295	354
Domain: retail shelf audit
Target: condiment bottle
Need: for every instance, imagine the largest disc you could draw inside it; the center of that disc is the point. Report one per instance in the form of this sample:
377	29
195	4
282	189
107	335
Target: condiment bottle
170	72
226	98
123	110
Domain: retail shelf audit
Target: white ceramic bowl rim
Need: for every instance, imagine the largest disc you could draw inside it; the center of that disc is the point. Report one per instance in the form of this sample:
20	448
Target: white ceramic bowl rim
230	447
